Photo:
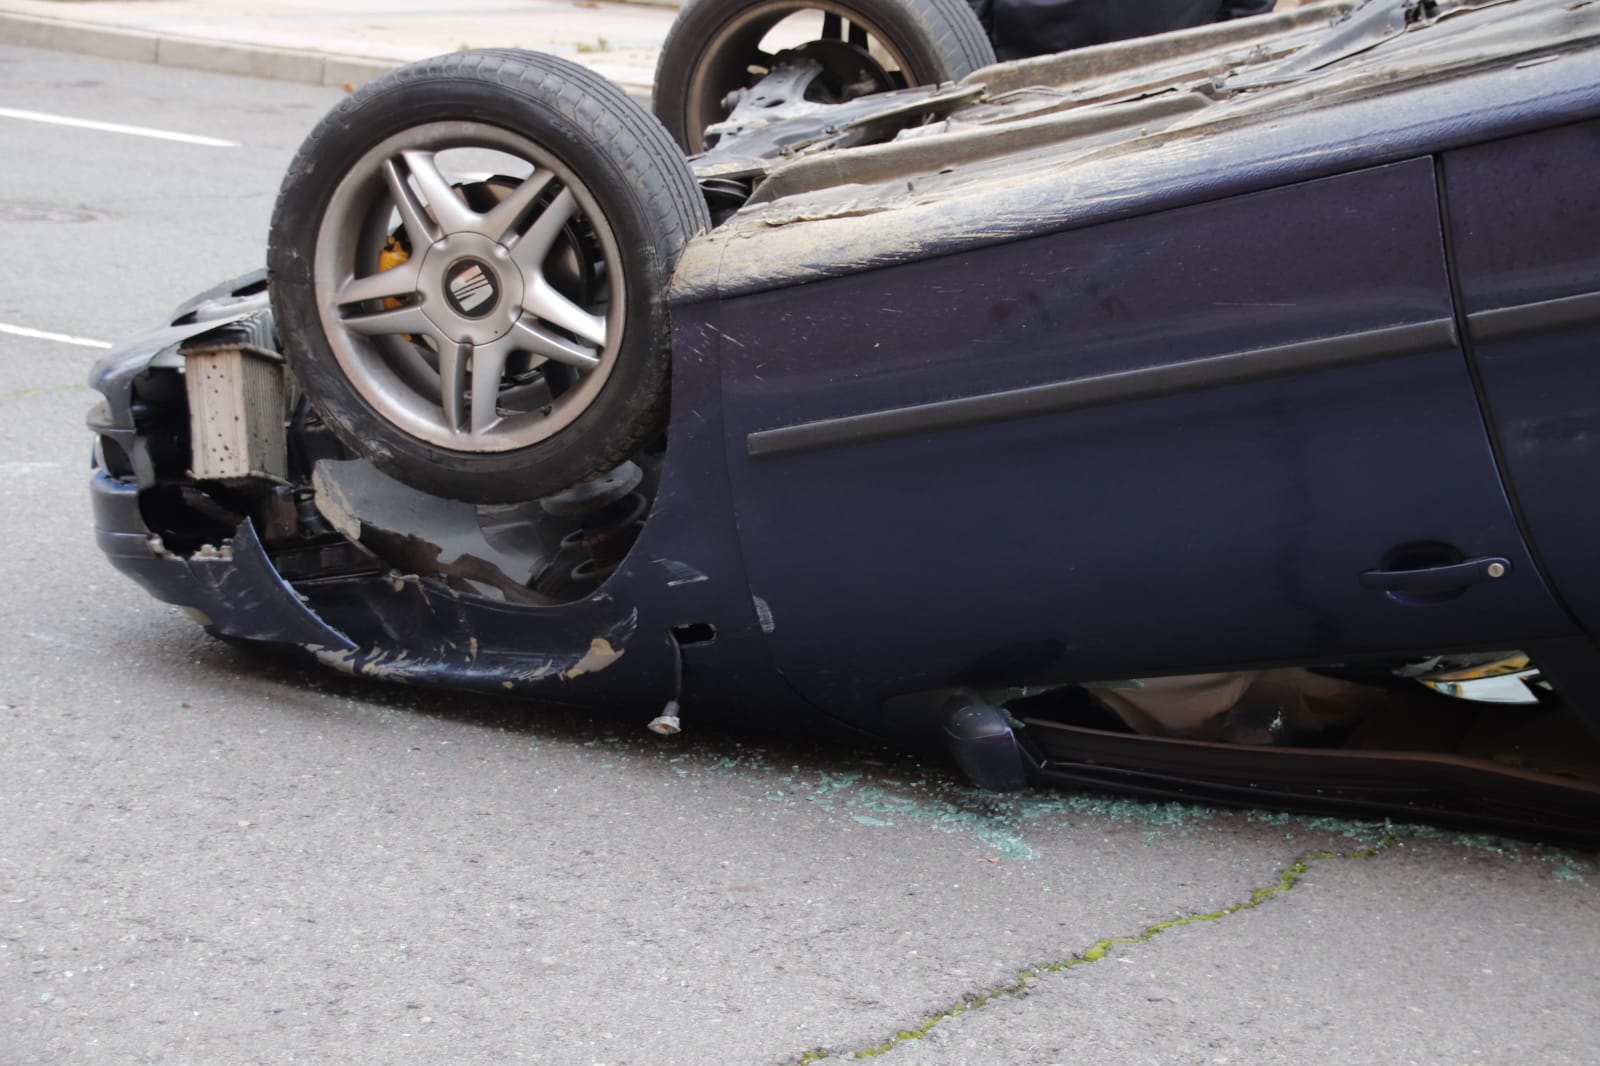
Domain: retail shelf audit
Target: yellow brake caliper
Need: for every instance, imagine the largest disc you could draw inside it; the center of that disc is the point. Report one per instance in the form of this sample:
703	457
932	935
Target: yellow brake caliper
393	255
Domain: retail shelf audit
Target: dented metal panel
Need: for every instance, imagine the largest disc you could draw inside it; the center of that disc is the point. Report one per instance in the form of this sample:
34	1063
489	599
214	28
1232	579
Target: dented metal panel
1103	142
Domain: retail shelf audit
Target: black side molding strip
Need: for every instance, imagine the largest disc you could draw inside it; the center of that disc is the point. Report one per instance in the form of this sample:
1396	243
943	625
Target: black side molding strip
1234	369
1546	316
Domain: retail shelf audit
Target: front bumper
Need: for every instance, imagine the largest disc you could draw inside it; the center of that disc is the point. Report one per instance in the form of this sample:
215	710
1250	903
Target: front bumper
233	589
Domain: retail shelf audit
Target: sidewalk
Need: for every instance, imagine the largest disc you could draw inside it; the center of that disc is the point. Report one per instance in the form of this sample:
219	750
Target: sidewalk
340	42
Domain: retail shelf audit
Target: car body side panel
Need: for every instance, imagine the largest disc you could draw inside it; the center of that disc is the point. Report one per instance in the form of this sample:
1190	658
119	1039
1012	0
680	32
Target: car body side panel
1525	221
1157	532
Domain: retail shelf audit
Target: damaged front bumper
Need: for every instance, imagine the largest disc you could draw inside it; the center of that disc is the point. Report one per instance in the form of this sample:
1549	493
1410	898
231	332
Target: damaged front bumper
411	628
232	589
319	554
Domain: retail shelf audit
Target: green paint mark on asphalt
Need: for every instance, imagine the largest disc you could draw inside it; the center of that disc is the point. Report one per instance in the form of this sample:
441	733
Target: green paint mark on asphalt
1564	865
46	390
1287	879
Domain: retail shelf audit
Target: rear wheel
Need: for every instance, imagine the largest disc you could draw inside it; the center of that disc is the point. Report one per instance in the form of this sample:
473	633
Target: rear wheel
716	47
468	267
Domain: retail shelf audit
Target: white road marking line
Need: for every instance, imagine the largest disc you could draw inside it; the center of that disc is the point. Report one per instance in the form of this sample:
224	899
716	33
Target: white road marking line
42	335
113	127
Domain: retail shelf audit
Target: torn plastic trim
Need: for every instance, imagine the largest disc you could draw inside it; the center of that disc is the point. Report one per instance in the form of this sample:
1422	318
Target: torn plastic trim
485	674
420	631
264	605
410	629
234	586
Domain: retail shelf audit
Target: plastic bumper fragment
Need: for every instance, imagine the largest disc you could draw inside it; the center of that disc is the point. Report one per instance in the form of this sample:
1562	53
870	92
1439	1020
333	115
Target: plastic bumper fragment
236	588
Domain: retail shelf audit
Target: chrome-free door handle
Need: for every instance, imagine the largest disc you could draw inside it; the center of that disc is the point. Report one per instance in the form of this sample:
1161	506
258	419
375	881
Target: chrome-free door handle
1436	579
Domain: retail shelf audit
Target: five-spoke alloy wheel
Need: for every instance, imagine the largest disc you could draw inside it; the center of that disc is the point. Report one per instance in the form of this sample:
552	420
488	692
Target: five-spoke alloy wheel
468	268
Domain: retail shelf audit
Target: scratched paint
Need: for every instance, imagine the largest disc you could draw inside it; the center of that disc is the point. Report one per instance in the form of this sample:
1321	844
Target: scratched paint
599	656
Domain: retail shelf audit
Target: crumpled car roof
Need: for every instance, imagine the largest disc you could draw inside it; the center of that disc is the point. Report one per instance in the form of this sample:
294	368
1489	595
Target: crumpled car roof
1064	141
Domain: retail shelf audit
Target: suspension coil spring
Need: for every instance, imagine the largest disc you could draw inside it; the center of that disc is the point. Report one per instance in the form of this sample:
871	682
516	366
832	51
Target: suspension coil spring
609	511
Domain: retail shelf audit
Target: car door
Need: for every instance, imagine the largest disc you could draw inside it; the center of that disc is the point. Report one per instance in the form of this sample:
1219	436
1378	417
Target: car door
1217	435
1524	217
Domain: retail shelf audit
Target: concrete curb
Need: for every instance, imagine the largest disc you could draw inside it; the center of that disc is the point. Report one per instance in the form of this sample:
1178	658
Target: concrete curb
222	57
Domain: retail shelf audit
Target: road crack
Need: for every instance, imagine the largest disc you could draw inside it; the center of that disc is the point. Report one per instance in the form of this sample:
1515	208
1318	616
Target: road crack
1287	878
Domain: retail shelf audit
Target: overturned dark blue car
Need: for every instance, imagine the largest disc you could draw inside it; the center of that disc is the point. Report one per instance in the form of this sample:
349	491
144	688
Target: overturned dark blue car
1210	415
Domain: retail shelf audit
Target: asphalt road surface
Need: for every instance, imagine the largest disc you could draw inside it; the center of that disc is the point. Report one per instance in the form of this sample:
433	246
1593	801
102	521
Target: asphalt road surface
209	858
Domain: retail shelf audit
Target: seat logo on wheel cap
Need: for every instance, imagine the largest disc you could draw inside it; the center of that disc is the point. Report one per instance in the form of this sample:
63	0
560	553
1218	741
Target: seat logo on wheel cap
471	289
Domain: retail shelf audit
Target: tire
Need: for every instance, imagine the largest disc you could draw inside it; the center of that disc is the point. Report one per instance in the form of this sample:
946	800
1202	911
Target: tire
507	337
714	44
